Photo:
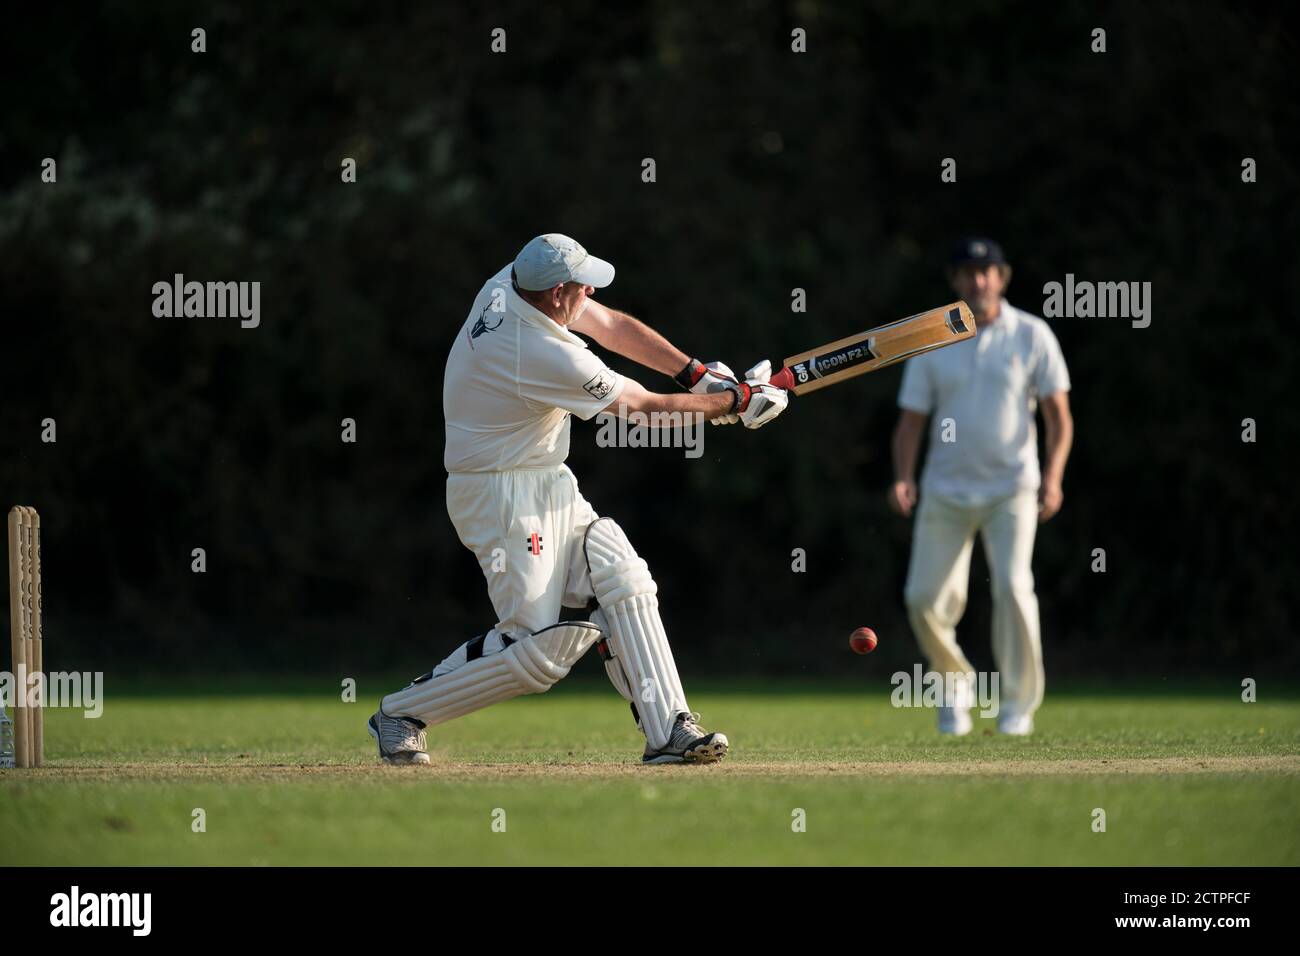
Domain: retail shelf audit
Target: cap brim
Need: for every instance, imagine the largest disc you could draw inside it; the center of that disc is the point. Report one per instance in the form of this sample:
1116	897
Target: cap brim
594	272
985	261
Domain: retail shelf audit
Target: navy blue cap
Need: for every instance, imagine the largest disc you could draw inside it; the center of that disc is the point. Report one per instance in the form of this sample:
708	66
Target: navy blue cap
976	251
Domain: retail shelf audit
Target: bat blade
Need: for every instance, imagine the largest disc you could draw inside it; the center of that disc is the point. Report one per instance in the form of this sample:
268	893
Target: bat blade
876	348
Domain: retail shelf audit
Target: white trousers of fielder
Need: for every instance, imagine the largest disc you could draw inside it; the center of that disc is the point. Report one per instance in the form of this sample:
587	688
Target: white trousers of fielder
938	578
541	547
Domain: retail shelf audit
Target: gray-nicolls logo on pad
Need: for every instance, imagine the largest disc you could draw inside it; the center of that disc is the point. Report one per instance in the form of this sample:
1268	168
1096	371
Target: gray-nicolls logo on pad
77	909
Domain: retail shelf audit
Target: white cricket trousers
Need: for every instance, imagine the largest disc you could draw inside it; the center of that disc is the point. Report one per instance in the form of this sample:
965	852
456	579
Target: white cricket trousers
526	528
939	575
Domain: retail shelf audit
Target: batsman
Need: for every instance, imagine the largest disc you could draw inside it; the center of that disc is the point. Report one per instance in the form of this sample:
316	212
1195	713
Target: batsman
516	374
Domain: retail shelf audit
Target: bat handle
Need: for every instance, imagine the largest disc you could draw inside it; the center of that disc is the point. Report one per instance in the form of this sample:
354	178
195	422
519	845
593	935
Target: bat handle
783	379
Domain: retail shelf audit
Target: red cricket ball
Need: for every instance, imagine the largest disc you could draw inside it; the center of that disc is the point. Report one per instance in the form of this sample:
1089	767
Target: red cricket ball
863	640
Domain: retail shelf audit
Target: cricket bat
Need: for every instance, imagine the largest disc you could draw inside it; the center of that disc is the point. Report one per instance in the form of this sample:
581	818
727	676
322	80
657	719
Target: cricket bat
875	348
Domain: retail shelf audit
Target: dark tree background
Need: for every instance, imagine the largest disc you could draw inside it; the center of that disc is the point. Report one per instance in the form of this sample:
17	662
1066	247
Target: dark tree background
775	170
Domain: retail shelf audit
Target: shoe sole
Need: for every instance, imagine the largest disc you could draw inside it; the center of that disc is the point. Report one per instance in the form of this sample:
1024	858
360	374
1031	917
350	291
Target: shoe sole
711	752
708	753
664	758
416	760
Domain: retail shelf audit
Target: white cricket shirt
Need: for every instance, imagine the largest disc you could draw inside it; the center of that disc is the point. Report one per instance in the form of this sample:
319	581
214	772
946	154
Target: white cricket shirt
988	386
514	376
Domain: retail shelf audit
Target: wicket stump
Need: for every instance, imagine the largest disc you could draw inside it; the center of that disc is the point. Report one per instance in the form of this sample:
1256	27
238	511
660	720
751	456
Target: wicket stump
26	639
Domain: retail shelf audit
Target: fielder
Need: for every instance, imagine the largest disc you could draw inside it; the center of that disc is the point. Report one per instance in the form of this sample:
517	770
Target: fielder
982	474
515	375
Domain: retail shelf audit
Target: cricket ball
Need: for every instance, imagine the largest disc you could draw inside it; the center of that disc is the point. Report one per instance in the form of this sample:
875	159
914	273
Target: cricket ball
863	640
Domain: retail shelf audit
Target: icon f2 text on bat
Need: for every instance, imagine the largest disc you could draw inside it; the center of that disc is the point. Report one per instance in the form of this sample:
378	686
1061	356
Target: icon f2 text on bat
875	348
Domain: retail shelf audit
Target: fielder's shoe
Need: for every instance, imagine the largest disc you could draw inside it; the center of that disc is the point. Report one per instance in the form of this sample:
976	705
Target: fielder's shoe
954	720
954	716
1017	725
688	743
401	739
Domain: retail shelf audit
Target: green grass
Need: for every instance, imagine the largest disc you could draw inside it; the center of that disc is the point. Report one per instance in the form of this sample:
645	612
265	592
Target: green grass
1190	779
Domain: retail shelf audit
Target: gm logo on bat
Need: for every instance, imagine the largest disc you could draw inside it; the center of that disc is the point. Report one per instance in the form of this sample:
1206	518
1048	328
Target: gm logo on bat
833	362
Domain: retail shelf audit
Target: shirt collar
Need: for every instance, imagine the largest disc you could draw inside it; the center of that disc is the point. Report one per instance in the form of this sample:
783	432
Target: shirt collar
1006	317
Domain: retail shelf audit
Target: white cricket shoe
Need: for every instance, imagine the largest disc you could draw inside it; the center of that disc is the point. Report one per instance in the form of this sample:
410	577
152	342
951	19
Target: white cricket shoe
689	743
954	716
401	739
1017	725
954	721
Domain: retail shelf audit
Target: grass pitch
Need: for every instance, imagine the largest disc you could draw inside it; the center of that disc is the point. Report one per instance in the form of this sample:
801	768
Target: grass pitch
290	778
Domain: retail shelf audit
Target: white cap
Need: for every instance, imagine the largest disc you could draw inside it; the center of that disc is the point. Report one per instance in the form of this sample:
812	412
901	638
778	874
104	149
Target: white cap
551	259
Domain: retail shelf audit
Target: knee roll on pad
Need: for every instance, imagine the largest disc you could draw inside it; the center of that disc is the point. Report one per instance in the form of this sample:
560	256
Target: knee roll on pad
530	666
630	610
617	572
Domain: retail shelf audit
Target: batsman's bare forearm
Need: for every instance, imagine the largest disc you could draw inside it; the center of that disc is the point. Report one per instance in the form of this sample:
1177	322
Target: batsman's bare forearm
906	444
631	338
1058	436
636	398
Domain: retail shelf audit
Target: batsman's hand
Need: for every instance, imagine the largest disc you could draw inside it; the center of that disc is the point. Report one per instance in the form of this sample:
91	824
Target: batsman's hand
758	403
706	379
902	497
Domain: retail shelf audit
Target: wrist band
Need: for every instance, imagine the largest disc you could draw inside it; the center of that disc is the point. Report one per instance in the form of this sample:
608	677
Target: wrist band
735	396
692	373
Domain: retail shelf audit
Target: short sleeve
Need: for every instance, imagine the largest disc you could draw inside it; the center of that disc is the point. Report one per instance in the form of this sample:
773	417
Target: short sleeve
1050	374
567	376
916	393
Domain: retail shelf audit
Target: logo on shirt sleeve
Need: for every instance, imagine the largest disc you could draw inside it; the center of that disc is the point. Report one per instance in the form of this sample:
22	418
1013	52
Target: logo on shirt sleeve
484	324
601	384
